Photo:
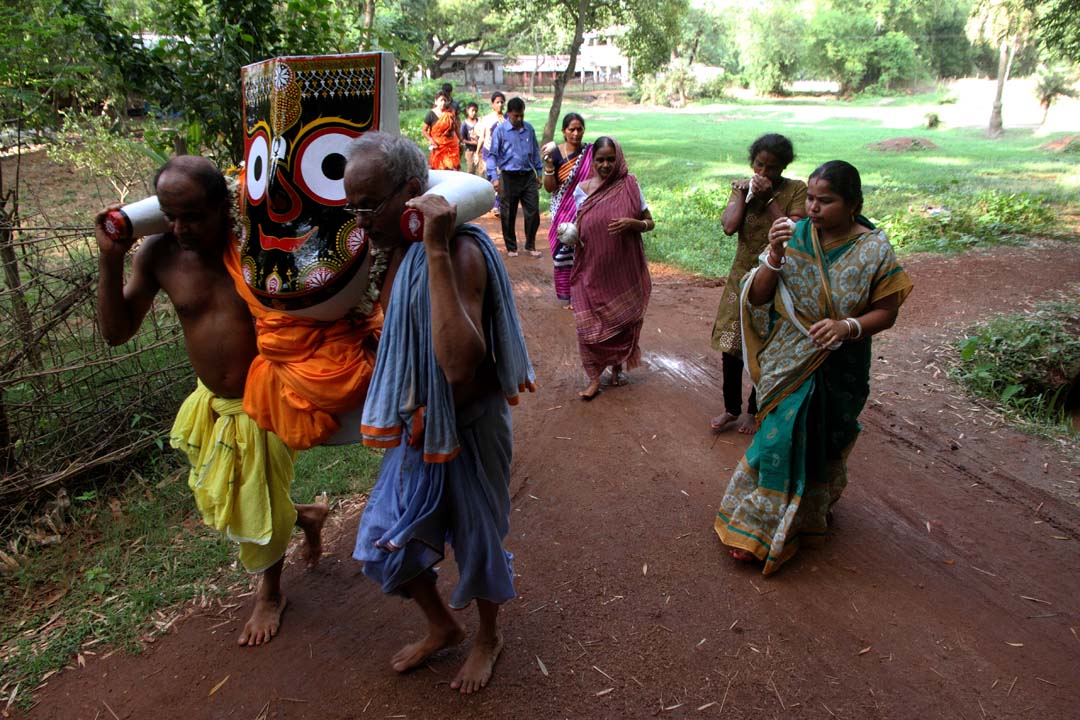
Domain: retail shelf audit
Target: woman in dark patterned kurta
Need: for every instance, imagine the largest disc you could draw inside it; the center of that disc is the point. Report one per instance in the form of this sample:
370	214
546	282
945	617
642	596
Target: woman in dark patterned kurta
753	207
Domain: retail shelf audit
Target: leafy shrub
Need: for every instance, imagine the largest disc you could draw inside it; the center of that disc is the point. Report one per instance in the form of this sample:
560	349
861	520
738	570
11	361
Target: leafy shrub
708	202
961	222
95	143
410	127
419	95
650	91
715	88
1028	362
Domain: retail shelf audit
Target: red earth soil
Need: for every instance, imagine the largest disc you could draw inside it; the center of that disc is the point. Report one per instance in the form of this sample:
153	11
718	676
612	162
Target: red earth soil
947	588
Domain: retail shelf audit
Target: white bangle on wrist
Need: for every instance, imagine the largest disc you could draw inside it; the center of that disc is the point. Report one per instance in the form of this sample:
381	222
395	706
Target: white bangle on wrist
774	268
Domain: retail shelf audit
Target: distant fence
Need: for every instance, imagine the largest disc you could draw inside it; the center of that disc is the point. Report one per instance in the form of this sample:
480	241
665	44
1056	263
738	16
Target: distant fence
72	409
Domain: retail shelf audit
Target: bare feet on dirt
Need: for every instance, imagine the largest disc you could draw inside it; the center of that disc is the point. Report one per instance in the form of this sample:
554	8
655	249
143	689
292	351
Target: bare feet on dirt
741	555
723	423
437	638
592	391
475	673
746	424
264	622
618	377
311	519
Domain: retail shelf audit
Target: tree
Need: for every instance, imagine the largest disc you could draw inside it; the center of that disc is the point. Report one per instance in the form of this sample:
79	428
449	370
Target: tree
708	37
945	45
46	63
1057	23
454	24
896	61
194	71
1007	23
772	46
579	16
653	33
840	47
400	27
1053	81
573	18
369	24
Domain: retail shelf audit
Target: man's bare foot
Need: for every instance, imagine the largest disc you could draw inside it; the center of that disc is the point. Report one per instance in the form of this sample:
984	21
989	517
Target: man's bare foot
742	555
264	622
311	519
437	638
592	391
723	423
746	424
475	673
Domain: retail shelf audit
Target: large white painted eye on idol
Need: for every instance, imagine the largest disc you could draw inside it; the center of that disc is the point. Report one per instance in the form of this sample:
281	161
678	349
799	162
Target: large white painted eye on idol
321	165
257	168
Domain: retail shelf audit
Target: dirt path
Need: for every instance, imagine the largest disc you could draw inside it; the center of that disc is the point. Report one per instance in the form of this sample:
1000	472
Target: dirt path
948	587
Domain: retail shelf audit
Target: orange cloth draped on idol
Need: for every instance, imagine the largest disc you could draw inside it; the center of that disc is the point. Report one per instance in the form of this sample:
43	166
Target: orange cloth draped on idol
303	266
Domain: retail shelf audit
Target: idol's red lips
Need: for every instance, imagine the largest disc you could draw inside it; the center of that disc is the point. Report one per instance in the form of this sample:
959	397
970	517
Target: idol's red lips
286	244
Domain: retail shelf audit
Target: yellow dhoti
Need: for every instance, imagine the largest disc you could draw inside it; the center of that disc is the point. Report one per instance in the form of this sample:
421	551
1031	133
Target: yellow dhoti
240	475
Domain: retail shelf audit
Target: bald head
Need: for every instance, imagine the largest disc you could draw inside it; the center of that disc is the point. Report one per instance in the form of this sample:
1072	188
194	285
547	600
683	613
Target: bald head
200	172
194	199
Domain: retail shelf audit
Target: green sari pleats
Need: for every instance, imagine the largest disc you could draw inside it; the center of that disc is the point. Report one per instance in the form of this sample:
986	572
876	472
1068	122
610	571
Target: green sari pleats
796	468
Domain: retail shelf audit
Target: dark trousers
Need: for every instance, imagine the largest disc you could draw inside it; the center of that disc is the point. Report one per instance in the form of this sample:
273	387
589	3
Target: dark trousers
733	374
515	187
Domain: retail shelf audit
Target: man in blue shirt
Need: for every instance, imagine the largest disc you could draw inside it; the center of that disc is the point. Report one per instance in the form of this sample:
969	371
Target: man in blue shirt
516	155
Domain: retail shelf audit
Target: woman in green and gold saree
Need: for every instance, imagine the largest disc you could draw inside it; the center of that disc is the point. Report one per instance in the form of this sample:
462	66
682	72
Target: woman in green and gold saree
821	289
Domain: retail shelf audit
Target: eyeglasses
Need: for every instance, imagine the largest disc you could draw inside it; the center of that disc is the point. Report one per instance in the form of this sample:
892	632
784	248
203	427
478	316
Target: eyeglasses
372	213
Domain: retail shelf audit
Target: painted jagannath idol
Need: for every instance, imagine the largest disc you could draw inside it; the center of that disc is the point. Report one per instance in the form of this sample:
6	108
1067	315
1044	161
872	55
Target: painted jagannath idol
301	252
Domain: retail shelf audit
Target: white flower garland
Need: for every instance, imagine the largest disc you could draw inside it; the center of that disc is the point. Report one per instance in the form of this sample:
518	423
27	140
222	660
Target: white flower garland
380	261
236	223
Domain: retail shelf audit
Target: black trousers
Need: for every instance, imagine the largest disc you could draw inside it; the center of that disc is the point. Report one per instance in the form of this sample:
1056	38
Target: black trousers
733	374
520	187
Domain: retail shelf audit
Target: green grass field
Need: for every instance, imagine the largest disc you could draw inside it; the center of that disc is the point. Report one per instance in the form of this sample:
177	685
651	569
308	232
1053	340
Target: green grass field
686	160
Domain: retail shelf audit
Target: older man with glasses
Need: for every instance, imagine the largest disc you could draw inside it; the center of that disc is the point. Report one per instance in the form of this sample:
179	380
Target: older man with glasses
451	359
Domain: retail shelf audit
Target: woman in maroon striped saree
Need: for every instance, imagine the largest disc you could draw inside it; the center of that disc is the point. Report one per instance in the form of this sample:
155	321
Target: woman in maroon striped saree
609	283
